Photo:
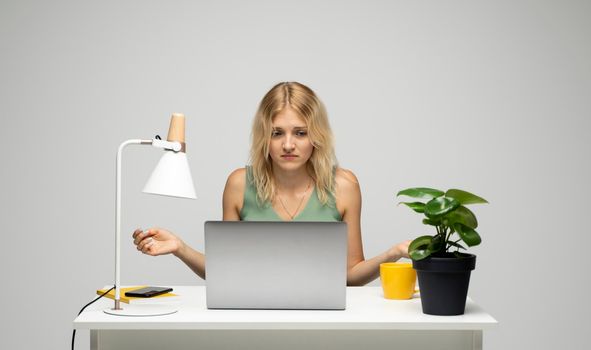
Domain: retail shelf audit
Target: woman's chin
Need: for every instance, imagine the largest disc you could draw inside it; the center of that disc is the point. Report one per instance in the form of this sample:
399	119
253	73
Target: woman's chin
290	165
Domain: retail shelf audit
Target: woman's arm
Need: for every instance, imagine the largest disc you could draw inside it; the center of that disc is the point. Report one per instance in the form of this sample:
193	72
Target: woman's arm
359	270
157	241
233	196
367	270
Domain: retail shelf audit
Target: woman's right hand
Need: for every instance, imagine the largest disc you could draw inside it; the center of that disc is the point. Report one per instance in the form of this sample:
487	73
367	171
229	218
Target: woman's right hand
156	241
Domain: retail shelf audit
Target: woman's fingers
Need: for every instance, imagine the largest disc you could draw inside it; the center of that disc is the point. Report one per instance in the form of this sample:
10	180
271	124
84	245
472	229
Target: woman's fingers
140	235
143	242
147	248
138	238
136	232
137	235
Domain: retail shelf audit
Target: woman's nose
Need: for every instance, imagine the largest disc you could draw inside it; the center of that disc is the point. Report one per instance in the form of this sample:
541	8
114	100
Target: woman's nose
288	145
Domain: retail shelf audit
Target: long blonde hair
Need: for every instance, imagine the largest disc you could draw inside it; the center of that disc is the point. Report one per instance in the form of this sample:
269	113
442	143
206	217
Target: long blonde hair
322	163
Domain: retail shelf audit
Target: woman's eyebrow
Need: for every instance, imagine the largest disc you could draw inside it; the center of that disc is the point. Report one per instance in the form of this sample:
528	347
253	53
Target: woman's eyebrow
295	127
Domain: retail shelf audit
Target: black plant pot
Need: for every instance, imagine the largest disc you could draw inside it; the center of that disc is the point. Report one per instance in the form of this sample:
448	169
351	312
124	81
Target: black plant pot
444	283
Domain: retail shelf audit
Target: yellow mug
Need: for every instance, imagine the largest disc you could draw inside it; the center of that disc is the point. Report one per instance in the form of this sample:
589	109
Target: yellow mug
398	280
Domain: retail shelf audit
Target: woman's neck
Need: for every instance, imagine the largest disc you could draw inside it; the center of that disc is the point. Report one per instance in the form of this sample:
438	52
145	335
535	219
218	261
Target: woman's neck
291	181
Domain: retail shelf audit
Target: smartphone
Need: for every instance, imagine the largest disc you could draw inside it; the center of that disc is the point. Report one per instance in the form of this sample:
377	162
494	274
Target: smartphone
147	292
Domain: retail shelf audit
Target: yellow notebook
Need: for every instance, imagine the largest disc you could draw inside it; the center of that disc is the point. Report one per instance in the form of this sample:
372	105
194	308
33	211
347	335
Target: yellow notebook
167	297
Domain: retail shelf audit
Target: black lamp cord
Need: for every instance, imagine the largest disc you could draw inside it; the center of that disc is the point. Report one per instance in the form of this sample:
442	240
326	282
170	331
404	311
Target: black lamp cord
85	306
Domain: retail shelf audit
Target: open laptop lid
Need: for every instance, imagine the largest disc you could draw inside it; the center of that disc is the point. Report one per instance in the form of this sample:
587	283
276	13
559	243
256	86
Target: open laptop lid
276	265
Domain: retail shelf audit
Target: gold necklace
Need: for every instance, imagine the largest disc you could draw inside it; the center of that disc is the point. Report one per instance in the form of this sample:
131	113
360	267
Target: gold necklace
299	205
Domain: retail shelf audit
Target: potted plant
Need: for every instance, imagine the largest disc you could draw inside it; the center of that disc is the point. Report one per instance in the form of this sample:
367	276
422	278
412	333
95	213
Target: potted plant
443	271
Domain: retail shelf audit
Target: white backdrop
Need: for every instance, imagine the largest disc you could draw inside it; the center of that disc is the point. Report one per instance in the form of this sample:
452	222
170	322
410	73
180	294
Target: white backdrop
488	96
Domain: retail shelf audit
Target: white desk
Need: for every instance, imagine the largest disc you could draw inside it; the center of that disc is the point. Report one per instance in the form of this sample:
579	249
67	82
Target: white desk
369	322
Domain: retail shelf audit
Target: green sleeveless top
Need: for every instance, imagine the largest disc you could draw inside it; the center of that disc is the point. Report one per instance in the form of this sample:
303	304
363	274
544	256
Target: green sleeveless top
313	211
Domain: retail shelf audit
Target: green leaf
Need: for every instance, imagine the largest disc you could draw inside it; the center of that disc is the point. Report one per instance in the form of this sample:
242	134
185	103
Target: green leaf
440	206
463	216
468	235
432	222
464	197
420	242
419	254
421	192
416	206
418	249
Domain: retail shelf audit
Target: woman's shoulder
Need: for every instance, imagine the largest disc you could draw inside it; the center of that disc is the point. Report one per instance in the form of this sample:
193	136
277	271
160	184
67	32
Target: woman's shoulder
236	179
345	176
347	192
346	180
233	194
238	172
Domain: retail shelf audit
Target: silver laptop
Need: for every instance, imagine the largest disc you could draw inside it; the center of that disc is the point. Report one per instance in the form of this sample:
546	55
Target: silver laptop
275	265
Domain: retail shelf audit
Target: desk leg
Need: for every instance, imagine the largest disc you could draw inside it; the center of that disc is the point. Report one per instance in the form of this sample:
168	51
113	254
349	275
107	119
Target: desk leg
477	340
285	339
94	339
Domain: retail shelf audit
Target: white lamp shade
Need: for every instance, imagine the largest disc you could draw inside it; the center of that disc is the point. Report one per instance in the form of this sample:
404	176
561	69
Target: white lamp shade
171	177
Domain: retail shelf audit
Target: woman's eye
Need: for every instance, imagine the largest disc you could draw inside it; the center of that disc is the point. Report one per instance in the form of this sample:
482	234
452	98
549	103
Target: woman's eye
275	133
302	133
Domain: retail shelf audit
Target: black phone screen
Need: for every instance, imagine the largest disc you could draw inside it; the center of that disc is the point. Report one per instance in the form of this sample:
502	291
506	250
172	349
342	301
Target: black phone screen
147	292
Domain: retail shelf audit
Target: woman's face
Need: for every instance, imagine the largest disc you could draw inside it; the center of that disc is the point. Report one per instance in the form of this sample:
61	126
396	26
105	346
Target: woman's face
290	147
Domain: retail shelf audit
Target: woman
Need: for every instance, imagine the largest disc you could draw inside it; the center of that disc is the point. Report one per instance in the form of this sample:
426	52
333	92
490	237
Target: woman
293	176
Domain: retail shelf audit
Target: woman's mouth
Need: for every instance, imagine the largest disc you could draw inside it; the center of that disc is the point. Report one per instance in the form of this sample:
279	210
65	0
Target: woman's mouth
289	156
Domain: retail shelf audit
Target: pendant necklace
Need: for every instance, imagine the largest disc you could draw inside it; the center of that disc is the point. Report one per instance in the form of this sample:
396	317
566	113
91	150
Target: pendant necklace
299	205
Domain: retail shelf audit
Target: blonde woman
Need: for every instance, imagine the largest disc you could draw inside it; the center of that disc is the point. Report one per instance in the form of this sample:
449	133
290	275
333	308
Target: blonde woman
293	176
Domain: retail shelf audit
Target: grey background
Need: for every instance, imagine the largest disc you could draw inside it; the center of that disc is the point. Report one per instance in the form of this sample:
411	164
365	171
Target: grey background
488	96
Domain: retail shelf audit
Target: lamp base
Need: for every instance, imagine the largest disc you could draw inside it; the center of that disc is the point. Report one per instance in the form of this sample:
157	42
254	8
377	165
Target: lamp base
143	310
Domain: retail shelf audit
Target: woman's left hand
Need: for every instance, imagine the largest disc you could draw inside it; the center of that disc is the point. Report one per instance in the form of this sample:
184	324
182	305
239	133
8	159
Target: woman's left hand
400	250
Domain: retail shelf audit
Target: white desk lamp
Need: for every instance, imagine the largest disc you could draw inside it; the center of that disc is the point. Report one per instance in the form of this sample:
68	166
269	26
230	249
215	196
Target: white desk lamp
171	177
